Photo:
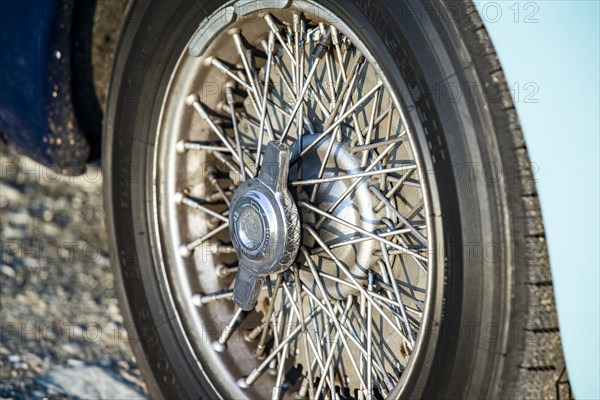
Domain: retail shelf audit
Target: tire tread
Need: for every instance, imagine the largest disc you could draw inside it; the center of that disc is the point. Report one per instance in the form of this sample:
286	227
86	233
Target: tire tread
536	369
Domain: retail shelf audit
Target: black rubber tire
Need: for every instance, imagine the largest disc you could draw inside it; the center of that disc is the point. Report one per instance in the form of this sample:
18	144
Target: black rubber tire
495	332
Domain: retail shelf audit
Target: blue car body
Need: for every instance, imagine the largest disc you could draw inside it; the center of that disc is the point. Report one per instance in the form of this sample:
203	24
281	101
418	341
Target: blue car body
37	85
42	89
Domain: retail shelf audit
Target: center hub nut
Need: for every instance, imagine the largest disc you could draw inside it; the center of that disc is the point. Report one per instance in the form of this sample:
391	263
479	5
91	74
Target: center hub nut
265	226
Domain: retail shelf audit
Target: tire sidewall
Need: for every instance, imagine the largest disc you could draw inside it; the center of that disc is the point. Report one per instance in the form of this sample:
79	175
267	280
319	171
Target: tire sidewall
150	46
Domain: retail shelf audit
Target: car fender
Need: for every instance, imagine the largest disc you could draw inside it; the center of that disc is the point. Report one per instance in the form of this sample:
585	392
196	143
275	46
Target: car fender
38	112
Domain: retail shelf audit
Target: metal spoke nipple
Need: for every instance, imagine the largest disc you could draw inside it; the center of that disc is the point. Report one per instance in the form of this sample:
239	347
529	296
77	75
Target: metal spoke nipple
184	251
192	99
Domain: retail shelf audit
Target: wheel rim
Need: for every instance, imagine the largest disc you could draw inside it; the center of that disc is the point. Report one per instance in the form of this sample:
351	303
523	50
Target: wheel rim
355	177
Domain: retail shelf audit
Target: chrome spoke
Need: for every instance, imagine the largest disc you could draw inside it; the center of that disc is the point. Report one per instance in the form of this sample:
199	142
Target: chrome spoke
236	132
215	183
349	275
369	135
403	219
316	58
385	301
276	394
395	189
203	299
218	64
306	334
193	100
297	311
383	240
341	331
263	113
372	146
255	93
339	121
369	342
353	176
186	250
220	344
184	145
260	348
361	239
275	30
387	271
182	198
255	374
357	182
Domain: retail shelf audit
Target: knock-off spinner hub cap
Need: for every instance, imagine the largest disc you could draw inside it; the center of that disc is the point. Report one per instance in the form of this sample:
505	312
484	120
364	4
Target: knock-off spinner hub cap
266	226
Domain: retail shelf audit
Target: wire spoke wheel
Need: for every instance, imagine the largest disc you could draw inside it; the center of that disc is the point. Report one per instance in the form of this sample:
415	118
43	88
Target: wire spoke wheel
304	202
341	318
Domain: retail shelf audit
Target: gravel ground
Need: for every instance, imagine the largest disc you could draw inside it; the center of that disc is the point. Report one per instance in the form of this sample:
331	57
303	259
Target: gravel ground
62	334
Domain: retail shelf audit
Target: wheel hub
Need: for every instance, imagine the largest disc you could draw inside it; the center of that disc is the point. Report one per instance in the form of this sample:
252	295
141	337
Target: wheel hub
266	226
357	209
